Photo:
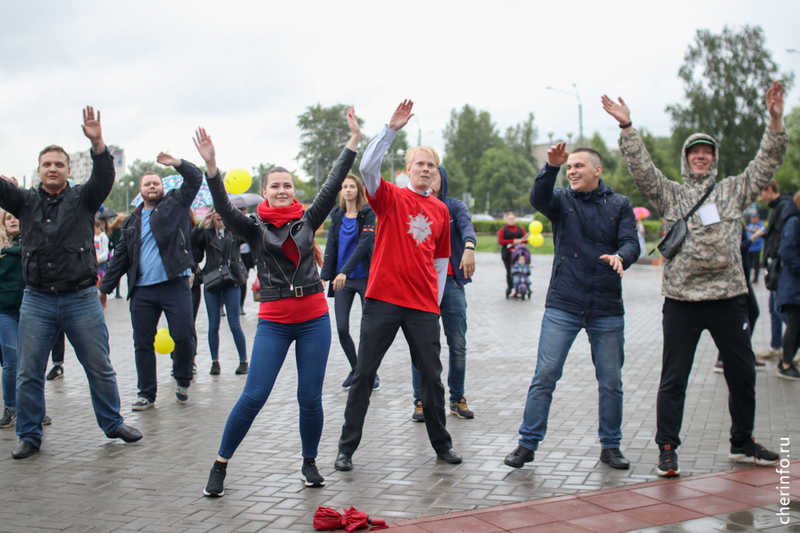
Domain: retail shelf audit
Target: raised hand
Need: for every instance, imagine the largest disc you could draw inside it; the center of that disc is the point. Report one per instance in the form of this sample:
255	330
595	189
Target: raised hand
619	110
168	160
12	179
775	102
401	115
202	142
355	129
557	154
93	130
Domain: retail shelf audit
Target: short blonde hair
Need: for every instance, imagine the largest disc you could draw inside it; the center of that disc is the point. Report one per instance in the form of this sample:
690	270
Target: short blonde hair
411	151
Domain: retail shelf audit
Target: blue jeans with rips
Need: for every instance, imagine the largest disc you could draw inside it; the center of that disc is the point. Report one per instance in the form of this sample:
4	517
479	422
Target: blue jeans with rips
80	315
559	329
454	322
230	295
9	328
312	340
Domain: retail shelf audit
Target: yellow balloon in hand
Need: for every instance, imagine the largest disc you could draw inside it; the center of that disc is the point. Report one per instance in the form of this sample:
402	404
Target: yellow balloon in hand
536	227
536	239
164	343
237	181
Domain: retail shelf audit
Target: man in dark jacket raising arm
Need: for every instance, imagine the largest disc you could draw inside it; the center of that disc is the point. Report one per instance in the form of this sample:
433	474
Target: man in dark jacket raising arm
594	231
703	284
60	270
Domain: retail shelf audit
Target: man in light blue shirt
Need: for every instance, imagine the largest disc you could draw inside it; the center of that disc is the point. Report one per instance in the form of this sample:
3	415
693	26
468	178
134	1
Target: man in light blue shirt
155	252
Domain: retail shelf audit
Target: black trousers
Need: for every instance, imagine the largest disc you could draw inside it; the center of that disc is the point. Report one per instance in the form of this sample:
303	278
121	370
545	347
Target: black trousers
342	304
379	324
727	322
791	336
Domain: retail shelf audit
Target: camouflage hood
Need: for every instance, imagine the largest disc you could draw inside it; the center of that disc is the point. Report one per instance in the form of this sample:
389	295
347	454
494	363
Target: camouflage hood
709	264
690	177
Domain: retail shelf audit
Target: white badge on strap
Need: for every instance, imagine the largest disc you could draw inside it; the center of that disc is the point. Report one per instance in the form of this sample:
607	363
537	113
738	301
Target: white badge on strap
708	214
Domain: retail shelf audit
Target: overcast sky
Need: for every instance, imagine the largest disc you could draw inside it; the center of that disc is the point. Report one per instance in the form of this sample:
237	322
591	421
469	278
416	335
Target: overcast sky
246	70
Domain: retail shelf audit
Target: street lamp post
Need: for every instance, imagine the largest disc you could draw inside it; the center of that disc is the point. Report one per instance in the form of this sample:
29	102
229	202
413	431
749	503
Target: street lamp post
580	109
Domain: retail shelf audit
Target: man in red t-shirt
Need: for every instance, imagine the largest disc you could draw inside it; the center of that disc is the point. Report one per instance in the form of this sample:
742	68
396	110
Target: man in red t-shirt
406	283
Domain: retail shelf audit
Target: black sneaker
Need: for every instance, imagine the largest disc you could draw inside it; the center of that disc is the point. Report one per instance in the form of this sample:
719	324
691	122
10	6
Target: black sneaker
216	478
57	372
46	420
377	383
790	373
753	453
668	462
349	379
311	475
243	366
519	457
182	395
460	409
9	417
418	415
214	368
141	404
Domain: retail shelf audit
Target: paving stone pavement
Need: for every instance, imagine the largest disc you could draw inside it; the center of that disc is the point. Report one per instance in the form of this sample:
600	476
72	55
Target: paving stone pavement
81	481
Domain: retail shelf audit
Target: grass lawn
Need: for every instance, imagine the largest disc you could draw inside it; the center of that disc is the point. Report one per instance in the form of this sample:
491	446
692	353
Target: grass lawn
488	243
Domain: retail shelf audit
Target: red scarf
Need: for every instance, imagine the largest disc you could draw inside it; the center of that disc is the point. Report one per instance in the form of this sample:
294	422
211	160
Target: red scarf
280	216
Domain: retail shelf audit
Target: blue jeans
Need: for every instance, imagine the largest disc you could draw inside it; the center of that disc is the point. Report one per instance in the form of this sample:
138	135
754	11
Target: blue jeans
777	320
270	346
80	315
9	328
559	330
230	295
454	321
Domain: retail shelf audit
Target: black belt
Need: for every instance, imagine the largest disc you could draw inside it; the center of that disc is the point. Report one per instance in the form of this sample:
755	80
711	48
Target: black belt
269	294
451	277
68	290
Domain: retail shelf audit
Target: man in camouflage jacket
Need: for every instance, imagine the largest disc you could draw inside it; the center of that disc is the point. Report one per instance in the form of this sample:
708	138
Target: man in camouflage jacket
704	284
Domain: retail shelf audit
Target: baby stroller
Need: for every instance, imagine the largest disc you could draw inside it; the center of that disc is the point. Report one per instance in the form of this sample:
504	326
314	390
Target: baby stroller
520	272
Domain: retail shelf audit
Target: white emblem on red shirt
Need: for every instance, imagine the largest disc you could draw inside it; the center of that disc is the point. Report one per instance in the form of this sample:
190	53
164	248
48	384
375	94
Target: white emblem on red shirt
419	227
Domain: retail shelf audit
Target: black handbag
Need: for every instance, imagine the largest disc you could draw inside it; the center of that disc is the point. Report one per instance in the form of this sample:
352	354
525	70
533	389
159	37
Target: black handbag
671	243
221	277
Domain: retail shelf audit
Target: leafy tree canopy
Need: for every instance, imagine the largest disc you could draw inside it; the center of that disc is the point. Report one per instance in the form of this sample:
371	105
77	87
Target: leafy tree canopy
507	177
726	77
467	136
324	132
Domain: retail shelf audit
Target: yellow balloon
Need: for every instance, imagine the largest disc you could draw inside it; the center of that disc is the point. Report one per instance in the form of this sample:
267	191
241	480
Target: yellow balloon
536	240
164	343
536	227
237	181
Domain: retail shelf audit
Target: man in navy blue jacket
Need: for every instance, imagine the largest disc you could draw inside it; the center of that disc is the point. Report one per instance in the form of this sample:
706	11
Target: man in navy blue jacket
594	231
454	301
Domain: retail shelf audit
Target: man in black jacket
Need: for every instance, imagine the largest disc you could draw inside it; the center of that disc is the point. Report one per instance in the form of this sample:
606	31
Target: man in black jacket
594	231
772	246
155	252
60	270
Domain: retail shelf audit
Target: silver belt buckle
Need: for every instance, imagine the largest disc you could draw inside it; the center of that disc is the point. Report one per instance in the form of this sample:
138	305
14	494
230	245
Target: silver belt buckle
298	292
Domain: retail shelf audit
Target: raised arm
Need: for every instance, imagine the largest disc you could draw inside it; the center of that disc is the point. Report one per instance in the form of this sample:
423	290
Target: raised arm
192	177
100	183
235	220
542	197
373	156
652	184
12	198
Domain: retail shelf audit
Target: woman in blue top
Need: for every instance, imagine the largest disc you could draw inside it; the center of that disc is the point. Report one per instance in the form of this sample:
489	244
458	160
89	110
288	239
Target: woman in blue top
348	254
755	229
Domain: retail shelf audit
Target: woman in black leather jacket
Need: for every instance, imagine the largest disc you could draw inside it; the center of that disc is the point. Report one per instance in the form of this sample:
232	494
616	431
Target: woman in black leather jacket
293	306
221	248
348	254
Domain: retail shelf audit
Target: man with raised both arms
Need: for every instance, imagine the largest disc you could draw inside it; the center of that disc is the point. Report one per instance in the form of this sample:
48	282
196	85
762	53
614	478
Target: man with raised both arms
406	283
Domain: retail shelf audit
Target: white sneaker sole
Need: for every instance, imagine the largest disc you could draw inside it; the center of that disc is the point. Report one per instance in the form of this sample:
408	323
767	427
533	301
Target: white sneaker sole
749	459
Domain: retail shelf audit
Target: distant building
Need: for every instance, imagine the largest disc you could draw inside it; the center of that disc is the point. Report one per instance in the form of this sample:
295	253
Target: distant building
81	164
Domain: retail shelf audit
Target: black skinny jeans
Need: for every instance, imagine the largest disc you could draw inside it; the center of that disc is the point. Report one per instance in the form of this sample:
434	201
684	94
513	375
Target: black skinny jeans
342	304
727	322
791	337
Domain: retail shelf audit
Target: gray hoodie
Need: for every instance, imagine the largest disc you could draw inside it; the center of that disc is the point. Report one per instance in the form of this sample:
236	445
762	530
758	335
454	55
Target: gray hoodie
709	264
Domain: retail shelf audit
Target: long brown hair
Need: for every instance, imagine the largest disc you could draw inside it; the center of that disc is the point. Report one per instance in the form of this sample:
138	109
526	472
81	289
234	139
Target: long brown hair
361	198
5	238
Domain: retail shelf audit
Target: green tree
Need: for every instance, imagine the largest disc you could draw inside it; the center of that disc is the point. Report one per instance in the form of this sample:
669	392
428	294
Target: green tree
522	138
726	77
467	136
507	177
789	175
324	132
